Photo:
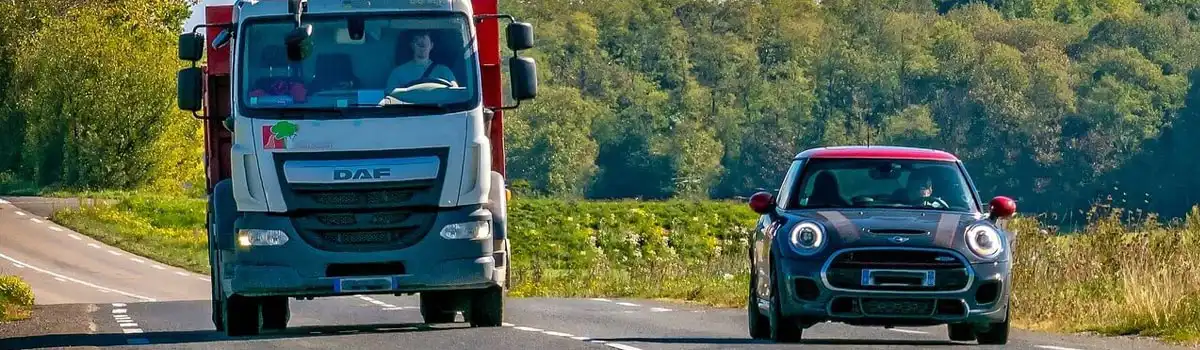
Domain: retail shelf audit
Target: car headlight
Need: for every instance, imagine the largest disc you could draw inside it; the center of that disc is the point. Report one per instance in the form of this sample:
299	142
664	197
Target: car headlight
256	237
468	230
984	241
807	237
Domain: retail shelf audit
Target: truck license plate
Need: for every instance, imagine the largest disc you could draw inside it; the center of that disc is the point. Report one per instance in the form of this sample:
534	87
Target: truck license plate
367	284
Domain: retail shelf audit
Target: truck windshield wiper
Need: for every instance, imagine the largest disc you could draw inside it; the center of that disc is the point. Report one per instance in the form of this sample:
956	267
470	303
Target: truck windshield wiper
302	111
414	106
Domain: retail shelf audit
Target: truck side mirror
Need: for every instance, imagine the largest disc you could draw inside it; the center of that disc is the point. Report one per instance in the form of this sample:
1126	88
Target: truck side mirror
190	89
520	36
299	42
191	46
524	77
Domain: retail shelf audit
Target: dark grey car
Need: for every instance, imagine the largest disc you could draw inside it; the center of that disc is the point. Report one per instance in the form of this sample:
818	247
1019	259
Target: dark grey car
879	236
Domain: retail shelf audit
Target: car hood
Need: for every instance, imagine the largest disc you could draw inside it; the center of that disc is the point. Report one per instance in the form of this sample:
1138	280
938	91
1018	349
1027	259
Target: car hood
896	227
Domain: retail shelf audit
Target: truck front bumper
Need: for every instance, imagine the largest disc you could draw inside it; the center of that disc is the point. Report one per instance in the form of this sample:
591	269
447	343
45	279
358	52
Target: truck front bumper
298	268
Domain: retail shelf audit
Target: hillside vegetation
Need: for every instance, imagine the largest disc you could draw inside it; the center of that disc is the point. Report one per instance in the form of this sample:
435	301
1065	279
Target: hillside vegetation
1100	280
16	299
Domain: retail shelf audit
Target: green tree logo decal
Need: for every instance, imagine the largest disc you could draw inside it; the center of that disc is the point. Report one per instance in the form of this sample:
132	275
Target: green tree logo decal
280	132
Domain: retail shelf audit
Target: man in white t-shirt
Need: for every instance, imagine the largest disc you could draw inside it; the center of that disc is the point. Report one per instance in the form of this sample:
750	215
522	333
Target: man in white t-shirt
420	66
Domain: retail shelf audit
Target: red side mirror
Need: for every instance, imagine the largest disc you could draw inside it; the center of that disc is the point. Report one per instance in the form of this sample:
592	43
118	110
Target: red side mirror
1003	207
761	202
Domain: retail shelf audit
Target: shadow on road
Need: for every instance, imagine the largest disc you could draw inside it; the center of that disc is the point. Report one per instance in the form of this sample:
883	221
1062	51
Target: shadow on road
198	336
728	341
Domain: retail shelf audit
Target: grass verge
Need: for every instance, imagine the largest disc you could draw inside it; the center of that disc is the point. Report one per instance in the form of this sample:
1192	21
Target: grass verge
1113	277
16	298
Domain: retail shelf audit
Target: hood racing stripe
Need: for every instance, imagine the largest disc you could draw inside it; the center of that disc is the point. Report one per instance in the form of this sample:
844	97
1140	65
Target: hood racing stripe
946	229
845	227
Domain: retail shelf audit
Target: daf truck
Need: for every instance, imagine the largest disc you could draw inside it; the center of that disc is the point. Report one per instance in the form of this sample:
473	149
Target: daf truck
355	147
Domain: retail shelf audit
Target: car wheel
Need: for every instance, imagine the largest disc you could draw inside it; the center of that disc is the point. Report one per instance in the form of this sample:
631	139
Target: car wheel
437	307
961	331
760	326
782	330
997	333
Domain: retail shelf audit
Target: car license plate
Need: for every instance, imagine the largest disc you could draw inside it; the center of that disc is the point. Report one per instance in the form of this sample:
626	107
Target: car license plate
898	278
365	284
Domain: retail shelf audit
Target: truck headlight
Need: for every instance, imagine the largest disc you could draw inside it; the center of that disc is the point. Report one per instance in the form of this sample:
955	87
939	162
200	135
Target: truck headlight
468	230
807	238
984	241
256	237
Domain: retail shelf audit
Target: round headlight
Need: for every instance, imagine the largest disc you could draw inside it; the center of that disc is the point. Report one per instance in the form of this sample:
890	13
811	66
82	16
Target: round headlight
807	237
984	241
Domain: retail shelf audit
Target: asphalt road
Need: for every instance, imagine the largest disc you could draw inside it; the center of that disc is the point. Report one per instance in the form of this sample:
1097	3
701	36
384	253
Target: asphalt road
92	295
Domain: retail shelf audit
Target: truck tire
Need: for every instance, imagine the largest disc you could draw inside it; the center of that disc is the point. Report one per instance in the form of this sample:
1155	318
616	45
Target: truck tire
222	211
487	308
276	313
437	307
243	316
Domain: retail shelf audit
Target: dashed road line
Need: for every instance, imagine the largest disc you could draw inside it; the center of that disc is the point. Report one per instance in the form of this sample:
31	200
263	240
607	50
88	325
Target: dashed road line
602	299
3	201
21	213
205	279
530	329
136	260
628	304
181	273
35	268
659	309
113	252
909	331
131	330
94	245
56	228
127	324
36	220
159	267
571	336
1052	347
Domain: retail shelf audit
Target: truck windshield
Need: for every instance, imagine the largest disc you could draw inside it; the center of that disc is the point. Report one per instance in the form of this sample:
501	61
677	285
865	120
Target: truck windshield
360	62
886	183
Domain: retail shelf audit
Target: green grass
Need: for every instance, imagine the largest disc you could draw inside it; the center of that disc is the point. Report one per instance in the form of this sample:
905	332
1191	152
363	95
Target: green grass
16	299
1113	277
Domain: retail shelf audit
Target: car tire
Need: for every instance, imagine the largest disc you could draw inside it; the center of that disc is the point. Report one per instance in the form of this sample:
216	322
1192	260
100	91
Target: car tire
781	329
760	326
487	308
242	316
276	313
961	331
997	333
437	307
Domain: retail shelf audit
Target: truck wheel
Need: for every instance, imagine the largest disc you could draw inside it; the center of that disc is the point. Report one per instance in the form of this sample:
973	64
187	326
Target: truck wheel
961	331
276	313
997	334
243	316
436	307
487	308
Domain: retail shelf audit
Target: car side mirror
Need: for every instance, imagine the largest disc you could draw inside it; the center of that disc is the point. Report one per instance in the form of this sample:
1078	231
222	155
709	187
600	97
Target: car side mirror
190	89
299	42
1002	207
524	77
761	202
191	46
520	36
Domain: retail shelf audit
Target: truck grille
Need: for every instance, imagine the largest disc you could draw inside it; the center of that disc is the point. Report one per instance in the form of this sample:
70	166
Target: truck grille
897	270
383	230
309	197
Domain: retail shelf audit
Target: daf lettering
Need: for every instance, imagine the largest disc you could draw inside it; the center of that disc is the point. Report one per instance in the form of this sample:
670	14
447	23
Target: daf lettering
346	174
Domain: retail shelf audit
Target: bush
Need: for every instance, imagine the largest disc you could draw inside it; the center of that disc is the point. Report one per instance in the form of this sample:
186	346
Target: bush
16	298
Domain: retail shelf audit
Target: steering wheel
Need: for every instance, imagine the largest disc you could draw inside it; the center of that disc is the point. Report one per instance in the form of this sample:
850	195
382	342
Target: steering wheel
939	201
438	81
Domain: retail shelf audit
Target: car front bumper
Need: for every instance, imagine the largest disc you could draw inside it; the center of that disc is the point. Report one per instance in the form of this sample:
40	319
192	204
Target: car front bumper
806	295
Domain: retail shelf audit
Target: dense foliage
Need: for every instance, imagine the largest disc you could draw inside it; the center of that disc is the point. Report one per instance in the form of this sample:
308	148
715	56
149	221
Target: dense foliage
16	298
1055	102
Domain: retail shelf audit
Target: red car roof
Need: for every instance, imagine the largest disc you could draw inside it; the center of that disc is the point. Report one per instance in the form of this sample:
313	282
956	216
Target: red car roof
877	152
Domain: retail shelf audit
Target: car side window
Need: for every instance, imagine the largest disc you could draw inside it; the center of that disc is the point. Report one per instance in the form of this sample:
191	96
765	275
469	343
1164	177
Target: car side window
785	189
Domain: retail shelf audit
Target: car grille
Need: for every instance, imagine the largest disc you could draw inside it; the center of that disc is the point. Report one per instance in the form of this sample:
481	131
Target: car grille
897	307
845	270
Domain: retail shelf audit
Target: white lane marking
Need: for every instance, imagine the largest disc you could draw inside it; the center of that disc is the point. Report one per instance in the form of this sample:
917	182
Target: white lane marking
35	220
659	309
558	334
118	305
136	260
20	213
581	338
77	238
597	341
602	299
181	273
206	279
103	291
387	306
56	228
60	279
131	330
528	329
909	331
3	201
126	325
113	252
159	267
137	341
35	268
506	324
94	245
395	308
1052	347
622	346
628	304
119	311
19	266
123	318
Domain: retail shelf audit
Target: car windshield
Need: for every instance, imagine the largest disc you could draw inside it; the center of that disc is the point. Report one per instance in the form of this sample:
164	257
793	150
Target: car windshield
360	61
884	183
